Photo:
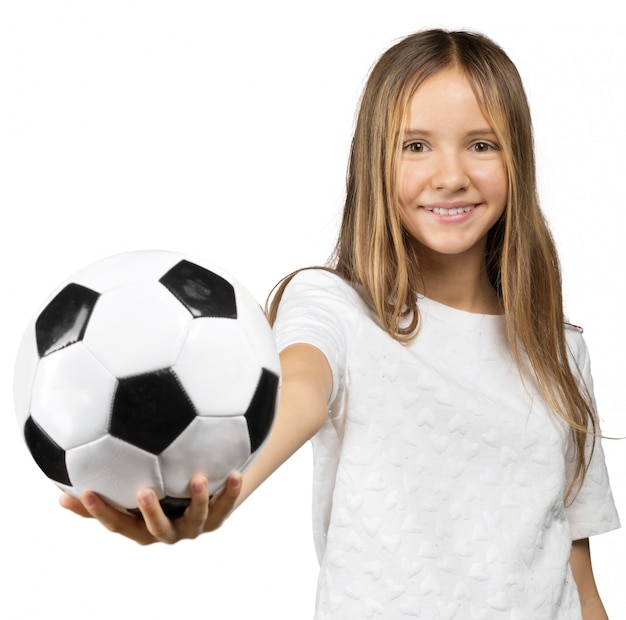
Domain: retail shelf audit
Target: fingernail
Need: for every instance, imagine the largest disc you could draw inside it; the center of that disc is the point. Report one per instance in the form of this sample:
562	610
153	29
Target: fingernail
145	498
199	485
235	482
88	500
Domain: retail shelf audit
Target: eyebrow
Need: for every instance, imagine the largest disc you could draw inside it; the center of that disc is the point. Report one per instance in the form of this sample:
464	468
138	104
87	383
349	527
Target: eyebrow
481	131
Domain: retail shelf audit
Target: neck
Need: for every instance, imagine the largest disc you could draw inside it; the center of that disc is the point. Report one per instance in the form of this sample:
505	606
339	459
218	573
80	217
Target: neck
458	281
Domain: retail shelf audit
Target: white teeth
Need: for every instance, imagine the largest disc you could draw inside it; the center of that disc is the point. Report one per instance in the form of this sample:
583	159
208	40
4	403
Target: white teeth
439	211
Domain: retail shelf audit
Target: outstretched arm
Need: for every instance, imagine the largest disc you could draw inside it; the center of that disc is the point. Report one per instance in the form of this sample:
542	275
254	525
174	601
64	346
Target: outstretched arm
580	561
302	410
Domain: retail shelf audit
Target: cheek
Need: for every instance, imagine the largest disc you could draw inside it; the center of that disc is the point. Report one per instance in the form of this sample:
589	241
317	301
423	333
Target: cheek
409	185
493	184
409	219
404	216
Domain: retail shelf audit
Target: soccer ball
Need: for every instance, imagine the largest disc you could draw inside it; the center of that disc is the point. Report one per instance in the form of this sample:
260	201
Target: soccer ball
142	370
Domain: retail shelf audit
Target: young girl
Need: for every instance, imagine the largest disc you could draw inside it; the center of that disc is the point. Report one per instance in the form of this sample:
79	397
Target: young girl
458	469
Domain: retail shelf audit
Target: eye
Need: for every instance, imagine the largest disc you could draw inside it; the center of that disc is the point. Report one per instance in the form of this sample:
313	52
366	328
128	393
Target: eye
415	147
482	147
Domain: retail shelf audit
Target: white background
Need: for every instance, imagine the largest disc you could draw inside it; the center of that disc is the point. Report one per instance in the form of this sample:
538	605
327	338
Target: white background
222	130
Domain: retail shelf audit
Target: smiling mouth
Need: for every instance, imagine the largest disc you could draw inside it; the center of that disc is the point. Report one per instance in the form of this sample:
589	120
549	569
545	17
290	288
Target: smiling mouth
454	211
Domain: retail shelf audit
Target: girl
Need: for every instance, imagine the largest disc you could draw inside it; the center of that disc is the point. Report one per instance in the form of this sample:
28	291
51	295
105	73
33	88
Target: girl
458	470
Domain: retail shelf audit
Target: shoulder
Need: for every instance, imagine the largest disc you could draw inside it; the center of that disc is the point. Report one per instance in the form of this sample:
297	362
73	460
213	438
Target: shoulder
322	277
319	308
317	302
576	345
571	328
321	286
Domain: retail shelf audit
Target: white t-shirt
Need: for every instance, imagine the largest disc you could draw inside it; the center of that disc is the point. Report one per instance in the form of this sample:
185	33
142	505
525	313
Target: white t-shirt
439	476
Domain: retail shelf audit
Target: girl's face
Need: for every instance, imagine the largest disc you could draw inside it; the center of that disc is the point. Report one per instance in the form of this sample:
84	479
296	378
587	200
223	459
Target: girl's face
452	181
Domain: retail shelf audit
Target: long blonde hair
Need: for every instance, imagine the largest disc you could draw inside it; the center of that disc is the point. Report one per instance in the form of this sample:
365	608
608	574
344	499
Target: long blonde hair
373	251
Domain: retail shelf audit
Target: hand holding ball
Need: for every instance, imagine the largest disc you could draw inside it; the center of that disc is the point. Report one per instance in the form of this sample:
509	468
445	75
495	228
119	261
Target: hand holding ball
142	370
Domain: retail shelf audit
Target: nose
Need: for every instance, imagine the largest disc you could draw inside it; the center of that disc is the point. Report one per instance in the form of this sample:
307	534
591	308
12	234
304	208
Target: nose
449	172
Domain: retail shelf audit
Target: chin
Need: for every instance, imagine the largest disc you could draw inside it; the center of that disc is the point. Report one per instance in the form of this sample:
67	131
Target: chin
450	249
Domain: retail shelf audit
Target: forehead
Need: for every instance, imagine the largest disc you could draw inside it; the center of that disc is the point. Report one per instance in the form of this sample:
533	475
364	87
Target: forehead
445	99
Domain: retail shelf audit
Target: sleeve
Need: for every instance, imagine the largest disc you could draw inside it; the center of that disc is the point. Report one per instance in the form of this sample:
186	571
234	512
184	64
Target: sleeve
317	309
593	510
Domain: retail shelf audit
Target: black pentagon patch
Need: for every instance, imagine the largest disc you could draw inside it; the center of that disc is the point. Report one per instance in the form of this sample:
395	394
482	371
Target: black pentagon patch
47	453
150	411
260	412
202	292
64	320
173	507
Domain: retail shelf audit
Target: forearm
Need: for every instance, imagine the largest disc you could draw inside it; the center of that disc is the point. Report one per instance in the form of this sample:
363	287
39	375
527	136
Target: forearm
593	609
302	410
590	602
288	436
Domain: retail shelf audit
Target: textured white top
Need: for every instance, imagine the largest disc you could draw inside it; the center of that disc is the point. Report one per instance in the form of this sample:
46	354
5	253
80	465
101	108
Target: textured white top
439	477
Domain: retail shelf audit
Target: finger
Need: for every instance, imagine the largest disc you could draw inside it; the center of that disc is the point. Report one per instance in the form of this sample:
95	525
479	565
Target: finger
154	518
198	510
225	502
114	520
69	502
